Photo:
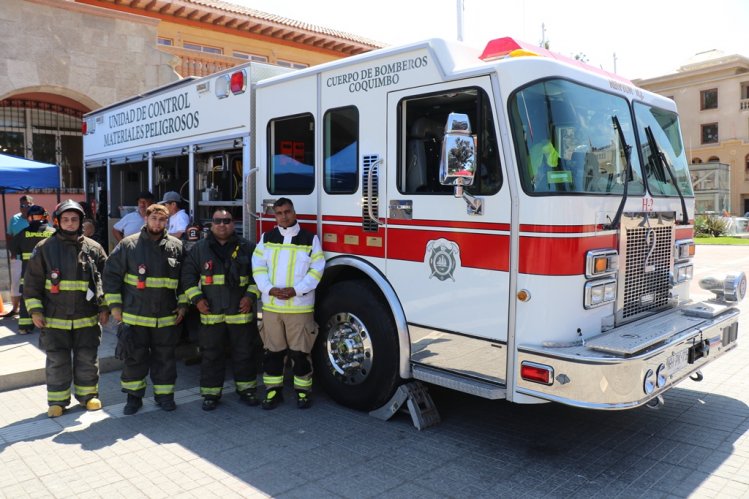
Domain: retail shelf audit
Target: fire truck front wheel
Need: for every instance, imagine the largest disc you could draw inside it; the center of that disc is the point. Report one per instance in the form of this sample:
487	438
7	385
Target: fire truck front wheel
356	354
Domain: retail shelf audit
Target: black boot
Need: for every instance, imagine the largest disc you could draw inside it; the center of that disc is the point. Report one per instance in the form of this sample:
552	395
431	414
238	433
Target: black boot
273	397
133	404
210	404
249	397
303	400
166	402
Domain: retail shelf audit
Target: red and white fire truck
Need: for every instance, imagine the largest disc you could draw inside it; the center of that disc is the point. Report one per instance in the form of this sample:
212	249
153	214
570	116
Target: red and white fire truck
505	222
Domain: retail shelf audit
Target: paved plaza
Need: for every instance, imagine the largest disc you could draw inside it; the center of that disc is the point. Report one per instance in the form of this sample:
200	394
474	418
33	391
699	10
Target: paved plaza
697	445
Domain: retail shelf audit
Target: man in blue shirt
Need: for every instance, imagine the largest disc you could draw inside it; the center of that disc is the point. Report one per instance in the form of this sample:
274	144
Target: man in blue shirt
16	224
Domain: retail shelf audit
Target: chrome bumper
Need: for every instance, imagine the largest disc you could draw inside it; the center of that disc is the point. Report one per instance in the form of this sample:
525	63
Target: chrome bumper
609	373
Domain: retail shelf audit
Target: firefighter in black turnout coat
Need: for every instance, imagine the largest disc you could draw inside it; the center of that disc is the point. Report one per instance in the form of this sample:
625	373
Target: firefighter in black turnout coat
23	244
217	277
63	293
141	282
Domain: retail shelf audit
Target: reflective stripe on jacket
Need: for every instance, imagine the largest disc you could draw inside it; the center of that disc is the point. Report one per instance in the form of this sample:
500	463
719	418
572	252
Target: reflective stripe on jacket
285	258
73	301
153	304
223	282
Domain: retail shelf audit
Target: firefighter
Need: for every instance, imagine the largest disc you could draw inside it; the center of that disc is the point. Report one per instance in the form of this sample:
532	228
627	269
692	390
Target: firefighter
23	244
63	293
141	282
287	266
217	277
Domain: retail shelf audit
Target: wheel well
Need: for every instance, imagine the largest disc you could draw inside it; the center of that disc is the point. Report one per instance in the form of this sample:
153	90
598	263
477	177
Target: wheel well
347	268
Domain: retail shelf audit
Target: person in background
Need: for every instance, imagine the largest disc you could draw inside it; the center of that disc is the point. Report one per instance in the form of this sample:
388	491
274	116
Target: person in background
89	228
141	282
63	293
178	218
16	224
287	265
23	244
132	222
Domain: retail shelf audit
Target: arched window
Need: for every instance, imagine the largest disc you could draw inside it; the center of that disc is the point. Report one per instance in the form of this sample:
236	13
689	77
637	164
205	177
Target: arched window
714	159
50	133
746	167
697	161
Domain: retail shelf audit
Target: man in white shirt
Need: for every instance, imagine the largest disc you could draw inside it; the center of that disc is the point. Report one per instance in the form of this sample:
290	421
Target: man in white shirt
178	218
133	222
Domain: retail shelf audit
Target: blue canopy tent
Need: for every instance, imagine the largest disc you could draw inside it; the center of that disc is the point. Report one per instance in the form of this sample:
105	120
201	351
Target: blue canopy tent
19	174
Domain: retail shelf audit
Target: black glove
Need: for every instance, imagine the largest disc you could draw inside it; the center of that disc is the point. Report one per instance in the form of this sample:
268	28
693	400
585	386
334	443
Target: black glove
125	342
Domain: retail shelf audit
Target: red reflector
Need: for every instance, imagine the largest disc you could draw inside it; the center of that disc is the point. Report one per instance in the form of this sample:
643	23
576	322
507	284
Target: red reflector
84	127
237	83
536	373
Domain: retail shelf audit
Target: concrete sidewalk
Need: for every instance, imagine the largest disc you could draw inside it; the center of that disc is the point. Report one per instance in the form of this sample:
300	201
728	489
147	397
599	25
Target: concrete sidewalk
22	361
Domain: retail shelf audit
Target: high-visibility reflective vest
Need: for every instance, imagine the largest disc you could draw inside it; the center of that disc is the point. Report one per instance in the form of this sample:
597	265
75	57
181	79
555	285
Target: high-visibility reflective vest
284	258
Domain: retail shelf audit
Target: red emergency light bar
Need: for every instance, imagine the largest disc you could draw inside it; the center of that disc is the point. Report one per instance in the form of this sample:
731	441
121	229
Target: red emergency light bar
501	48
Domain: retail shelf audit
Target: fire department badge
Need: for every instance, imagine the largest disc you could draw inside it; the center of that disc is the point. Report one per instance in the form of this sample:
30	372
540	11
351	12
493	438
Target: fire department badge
443	257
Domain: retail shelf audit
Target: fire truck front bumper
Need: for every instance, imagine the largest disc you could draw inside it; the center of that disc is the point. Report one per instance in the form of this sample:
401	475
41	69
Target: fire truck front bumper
628	366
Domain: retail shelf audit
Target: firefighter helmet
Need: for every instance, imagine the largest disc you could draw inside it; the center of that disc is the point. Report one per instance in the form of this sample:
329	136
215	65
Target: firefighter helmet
68	205
36	213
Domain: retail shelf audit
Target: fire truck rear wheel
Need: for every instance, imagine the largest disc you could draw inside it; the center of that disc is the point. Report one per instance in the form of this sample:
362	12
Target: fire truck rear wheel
356	354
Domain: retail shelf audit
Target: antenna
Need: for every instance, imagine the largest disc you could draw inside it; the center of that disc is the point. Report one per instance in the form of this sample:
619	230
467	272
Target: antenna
460	19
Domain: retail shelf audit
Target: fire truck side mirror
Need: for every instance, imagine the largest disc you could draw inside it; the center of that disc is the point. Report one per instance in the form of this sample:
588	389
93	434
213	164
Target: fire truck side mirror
458	159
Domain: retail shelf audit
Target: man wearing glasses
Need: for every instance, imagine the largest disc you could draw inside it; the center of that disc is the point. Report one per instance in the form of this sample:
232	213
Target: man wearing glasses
217	277
16	224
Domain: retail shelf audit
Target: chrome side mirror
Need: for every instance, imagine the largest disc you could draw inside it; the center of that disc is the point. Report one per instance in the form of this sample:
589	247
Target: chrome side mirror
458	159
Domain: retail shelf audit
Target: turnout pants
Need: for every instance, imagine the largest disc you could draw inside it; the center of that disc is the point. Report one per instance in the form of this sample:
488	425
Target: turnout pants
72	356
243	349
154	353
292	334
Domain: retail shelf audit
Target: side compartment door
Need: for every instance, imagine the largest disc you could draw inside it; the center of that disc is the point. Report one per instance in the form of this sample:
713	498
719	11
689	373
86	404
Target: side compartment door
448	263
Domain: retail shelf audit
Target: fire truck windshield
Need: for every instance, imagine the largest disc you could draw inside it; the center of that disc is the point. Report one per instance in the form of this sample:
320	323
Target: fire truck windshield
566	143
665	151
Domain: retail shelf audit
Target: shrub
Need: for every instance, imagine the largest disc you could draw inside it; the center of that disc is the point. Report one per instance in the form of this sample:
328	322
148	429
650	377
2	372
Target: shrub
709	226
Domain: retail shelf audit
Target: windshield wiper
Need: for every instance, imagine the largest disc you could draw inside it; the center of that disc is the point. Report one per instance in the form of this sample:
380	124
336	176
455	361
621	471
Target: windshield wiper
659	160
627	174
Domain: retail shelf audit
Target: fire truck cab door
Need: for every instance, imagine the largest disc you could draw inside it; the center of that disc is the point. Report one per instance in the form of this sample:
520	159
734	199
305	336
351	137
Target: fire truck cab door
450	268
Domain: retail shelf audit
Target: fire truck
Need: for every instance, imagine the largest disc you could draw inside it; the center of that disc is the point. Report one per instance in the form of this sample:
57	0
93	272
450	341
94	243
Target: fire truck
505	222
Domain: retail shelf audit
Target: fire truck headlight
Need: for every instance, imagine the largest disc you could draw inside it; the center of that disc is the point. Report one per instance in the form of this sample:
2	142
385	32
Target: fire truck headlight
599	292
684	250
683	272
599	263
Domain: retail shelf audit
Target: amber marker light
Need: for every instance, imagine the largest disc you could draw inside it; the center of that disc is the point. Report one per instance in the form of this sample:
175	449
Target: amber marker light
524	295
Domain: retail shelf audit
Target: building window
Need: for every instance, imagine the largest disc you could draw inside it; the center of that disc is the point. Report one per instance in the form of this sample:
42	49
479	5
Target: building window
249	57
164	41
696	161
289	64
291	146
44	132
709	99
746	167
341	150
710	133
713	159
203	48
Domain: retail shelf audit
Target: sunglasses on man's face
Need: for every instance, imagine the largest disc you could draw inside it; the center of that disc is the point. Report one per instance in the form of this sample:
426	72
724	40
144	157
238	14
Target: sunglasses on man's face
225	221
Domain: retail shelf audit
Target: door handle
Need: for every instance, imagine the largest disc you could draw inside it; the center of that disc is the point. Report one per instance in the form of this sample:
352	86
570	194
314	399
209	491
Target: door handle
401	209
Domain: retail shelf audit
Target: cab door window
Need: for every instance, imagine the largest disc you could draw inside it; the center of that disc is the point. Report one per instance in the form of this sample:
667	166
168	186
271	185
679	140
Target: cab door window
291	149
421	122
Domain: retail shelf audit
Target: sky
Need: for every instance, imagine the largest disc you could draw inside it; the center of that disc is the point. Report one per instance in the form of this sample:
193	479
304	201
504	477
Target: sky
636	38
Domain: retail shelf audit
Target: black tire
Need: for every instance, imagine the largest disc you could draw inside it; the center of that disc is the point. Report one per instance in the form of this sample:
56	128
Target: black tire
355	325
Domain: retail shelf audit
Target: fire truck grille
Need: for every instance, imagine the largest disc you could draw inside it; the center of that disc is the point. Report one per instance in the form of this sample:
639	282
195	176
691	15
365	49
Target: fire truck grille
647	271
369	167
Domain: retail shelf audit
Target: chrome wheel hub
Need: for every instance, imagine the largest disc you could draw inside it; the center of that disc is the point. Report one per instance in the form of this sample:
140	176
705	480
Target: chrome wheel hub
349	348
